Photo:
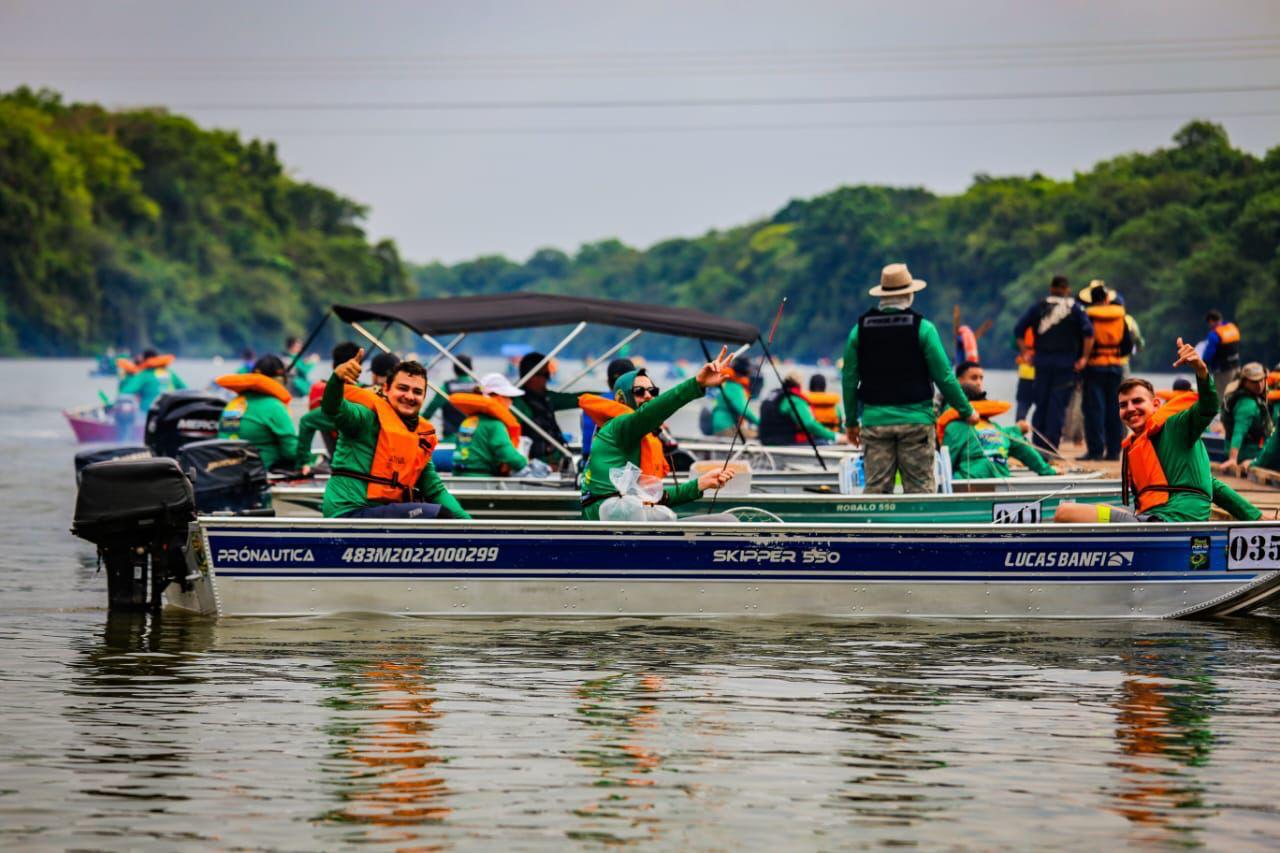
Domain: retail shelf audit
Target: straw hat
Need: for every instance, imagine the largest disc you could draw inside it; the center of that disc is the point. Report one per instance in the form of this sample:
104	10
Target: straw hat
1086	295
896	280
1253	371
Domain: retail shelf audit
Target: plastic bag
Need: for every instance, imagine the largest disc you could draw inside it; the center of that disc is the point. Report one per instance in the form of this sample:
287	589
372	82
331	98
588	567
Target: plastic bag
638	496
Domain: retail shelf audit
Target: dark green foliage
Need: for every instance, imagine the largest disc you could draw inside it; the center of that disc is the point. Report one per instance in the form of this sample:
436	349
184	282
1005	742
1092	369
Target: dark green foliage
1177	231
140	229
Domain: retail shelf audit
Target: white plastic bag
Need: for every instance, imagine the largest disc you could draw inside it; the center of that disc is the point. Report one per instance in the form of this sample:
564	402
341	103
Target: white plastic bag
638	496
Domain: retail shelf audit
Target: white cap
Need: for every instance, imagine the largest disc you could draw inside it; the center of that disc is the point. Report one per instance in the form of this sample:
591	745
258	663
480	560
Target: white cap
497	384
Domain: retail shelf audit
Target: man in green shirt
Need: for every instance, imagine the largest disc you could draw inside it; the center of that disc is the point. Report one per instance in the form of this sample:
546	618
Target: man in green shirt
620	440
484	441
1167	464
1245	416
786	416
373	476
153	379
983	451
892	361
259	414
540	404
733	404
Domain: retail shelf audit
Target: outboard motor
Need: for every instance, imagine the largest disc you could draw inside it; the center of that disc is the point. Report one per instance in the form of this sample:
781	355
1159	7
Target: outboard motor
121	453
228	475
137	513
181	417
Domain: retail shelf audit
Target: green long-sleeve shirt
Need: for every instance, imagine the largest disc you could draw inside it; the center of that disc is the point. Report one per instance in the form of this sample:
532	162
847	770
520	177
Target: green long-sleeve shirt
484	447
939	365
731	405
264	422
358	430
983	452
1233	502
618	442
151	383
1269	456
1184	459
309	424
1247	413
801	414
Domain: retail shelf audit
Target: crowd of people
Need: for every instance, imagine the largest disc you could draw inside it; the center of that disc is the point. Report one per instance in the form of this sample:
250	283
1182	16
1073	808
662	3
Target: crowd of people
902	400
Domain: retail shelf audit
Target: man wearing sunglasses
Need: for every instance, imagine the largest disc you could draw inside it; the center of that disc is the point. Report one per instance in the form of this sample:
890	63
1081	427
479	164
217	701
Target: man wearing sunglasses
626	437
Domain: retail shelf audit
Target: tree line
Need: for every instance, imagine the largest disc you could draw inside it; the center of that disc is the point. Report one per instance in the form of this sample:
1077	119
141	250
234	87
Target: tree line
139	228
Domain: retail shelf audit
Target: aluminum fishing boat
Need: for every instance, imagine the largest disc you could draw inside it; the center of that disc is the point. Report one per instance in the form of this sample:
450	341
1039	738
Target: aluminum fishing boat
291	567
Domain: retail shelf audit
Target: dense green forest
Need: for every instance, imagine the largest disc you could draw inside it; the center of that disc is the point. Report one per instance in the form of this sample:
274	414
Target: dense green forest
139	228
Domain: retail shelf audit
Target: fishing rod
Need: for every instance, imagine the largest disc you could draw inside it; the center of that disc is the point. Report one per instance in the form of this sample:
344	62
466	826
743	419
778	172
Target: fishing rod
737	431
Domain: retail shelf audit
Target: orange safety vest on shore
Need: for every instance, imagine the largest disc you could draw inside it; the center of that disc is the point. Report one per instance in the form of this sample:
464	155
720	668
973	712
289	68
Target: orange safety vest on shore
1026	358
601	410
1108	335
241	382
823	404
472	404
986	409
1140	469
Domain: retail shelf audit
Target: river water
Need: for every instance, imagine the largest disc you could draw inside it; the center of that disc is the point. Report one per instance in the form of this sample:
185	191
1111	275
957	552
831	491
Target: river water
127	732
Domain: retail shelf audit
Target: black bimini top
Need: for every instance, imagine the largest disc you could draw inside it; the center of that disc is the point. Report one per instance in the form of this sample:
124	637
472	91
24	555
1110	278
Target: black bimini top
528	310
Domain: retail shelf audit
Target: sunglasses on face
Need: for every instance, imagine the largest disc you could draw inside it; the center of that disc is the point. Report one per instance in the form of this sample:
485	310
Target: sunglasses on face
639	391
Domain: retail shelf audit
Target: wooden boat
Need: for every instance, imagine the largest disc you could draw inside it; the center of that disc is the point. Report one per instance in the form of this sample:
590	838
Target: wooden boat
487	568
796	507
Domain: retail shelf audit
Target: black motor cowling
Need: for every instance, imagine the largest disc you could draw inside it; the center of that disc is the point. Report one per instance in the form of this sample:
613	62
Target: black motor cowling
181	417
115	453
137	513
228	476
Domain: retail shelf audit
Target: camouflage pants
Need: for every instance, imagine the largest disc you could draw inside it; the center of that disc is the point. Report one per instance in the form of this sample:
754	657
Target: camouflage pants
905	448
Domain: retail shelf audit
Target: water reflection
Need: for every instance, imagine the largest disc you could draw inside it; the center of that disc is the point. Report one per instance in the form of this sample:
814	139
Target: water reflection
382	735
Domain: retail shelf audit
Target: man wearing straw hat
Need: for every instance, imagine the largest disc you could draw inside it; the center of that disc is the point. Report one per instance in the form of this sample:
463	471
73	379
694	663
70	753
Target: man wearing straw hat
892	360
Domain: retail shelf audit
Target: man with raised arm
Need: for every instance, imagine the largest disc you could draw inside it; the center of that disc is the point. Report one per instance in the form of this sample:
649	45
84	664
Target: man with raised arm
382	466
628	436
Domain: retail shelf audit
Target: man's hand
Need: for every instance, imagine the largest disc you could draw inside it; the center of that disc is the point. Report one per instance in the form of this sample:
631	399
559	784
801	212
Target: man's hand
842	439
711	374
349	371
973	419
305	470
1187	355
715	479
854	434
1024	427
1079	365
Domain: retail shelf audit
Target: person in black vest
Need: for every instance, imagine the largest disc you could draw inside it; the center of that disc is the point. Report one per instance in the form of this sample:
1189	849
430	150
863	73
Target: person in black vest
786	416
540	405
461	382
892	360
1064	340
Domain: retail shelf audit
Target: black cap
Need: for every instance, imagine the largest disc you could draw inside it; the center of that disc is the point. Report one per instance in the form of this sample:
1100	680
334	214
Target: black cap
269	365
465	359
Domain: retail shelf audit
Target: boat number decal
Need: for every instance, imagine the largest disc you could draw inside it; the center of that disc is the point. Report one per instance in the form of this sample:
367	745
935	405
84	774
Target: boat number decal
420	555
1251	548
1016	513
810	556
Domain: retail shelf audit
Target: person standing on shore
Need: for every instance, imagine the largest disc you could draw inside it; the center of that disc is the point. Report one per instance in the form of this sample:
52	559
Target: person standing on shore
1064	341
1222	351
1104	371
892	361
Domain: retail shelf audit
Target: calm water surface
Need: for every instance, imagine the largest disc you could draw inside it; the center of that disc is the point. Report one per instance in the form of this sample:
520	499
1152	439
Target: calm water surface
123	732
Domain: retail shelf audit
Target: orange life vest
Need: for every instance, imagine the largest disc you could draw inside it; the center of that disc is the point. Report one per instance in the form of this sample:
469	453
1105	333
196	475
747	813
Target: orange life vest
1140	468
127	366
241	382
1228	333
1108	333
968	342
478	404
1273	396
986	410
400	456
601	410
824	405
1026	357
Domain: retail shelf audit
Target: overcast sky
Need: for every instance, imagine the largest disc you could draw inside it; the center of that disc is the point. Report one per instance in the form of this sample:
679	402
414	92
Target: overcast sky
500	127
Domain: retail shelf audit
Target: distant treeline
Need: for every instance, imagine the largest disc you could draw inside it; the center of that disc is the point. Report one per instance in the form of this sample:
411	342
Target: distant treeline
1176	231
138	228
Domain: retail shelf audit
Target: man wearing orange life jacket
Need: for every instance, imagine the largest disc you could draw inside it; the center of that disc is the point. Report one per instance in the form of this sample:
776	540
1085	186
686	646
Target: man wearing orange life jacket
1222	351
259	414
1104	370
382	467
1165	465
982	450
827	408
149	378
488	433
